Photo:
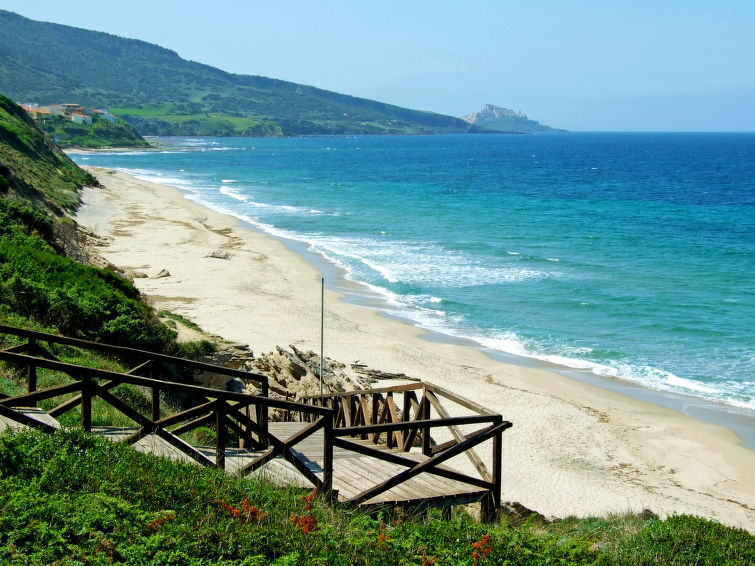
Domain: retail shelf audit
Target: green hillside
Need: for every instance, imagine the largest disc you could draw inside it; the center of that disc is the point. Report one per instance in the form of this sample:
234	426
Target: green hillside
43	284
100	133
32	167
162	94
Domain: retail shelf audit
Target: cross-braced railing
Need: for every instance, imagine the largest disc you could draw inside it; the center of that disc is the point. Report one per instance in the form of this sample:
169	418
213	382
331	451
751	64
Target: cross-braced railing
231	414
402	418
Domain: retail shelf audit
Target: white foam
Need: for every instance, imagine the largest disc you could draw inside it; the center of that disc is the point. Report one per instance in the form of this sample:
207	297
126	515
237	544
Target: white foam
234	194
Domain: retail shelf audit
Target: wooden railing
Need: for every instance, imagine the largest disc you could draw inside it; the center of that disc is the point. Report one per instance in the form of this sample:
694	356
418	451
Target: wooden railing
402	417
244	415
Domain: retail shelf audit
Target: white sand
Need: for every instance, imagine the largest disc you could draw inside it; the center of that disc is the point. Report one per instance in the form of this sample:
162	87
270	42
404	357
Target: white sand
575	449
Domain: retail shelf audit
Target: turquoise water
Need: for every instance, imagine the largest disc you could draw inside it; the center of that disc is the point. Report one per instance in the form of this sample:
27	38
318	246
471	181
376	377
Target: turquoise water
630	255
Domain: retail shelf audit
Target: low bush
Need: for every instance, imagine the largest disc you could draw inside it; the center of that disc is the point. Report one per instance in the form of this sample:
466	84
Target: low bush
73	498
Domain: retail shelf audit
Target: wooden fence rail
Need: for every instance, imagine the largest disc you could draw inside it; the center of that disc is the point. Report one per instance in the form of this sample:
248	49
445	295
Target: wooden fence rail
241	414
403	415
392	425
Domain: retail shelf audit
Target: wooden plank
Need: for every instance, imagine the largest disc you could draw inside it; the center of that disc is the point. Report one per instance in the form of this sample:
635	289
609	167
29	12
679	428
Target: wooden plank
459	400
184	447
27	417
28	399
194	412
431	462
459	437
421	423
401	459
390	388
367	418
375	472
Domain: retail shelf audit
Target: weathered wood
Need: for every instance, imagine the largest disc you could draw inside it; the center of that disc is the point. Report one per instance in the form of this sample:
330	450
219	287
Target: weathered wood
395	438
410	402
194	412
21	418
31	370
184	447
29	399
220	434
396	458
131	353
430	463
413	425
87	385
366	416
263	459
198	390
426	440
459	400
327	450
368	473
392	388
457	434
191	425
131	413
17	349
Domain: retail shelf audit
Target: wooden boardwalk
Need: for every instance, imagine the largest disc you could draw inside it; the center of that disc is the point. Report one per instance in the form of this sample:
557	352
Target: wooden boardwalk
370	448
353	473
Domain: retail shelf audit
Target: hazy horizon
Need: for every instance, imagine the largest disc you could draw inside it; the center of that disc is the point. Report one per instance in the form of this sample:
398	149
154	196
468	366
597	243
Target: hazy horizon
581	66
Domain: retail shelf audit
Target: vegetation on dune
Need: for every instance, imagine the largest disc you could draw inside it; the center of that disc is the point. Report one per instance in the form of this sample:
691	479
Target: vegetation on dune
41	284
32	167
73	498
162	94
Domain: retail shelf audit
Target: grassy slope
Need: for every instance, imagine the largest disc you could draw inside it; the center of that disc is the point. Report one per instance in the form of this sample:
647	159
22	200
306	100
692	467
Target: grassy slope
34	168
100	133
161	93
76	499
39	284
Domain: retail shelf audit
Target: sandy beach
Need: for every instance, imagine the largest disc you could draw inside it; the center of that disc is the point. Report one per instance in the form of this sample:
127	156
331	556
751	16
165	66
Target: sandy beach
574	449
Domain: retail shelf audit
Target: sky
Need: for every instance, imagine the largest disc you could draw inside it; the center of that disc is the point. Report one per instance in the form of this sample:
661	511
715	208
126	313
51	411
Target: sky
580	65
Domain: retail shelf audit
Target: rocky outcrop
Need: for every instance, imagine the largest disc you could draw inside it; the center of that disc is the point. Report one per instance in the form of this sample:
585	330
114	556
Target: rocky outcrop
504	120
292	373
296	373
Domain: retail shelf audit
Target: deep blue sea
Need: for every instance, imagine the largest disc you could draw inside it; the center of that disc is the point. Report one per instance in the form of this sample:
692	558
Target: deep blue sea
629	254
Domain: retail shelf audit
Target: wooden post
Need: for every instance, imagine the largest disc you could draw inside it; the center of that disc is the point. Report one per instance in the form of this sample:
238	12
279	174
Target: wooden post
86	403
426	448
491	503
32	369
497	465
155	403
327	467
220	435
262	416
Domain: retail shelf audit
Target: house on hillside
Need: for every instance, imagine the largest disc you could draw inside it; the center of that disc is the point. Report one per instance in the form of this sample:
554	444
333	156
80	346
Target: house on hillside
81	119
69	110
104	114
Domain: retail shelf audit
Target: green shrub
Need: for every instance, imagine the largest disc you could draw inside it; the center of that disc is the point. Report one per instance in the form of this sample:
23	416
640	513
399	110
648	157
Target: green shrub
72	498
685	539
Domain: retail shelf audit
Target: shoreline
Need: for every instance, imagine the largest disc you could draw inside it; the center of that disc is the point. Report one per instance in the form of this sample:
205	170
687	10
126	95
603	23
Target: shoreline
740	420
575	448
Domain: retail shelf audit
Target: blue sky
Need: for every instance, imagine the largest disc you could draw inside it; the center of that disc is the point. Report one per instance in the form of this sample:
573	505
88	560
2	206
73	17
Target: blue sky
582	65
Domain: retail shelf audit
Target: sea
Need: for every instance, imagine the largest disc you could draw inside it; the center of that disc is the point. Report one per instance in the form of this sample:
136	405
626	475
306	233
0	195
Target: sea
626	258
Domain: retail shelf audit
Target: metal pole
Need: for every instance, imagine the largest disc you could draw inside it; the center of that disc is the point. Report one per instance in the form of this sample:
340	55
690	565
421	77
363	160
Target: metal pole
322	326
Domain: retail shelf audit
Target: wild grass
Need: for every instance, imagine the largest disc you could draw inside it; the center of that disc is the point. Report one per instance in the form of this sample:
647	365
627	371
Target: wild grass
73	498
